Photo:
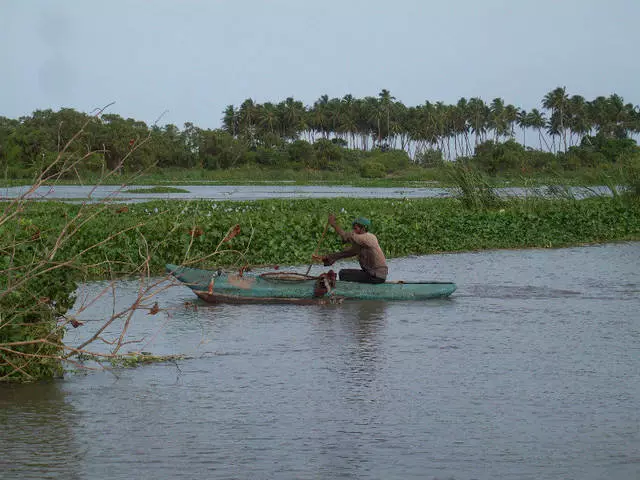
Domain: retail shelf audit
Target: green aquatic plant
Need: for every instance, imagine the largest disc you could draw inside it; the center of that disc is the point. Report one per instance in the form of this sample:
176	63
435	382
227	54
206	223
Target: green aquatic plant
285	232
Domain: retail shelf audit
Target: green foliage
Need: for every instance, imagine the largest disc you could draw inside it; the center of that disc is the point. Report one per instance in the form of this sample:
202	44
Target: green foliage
37	355
430	158
474	191
219	150
327	155
539	161
392	161
35	290
629	175
372	169
599	150
269	136
495	157
300	152
348	123
287	231
132	360
269	157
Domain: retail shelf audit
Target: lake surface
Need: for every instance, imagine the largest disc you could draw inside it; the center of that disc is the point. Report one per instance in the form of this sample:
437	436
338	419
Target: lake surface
529	371
259	192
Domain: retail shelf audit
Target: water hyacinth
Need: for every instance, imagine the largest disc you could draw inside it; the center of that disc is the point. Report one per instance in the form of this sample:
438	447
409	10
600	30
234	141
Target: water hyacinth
279	232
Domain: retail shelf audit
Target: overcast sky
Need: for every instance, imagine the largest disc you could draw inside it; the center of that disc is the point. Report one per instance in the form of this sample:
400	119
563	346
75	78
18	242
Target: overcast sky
192	58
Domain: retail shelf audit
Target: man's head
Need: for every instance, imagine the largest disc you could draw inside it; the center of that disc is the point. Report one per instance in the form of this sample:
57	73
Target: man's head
362	224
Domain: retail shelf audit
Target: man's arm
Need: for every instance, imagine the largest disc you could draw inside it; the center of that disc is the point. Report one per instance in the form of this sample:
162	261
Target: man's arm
336	227
331	258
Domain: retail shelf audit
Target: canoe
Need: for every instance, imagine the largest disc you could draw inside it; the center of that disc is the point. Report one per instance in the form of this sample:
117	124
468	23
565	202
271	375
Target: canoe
290	287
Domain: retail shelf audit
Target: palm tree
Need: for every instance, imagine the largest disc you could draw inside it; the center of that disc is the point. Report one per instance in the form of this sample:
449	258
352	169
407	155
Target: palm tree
317	118
620	115
444	127
510	118
348	124
363	126
385	103
230	120
537	120
401	127
247	120
498	119
558	102
478	118
292	118
579	122
268	121
370	118
522	119
459	118
597	111
334	110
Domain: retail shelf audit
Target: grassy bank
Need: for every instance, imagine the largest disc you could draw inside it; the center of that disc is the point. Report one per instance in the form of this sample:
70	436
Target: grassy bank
287	231
410	177
251	175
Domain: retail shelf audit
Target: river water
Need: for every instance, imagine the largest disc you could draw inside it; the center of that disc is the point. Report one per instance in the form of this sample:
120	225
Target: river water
114	193
529	371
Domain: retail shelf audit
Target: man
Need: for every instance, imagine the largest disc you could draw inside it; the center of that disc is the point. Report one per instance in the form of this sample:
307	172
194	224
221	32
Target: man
363	244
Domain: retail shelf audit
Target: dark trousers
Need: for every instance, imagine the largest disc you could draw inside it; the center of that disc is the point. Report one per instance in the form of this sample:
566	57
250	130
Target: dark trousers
356	275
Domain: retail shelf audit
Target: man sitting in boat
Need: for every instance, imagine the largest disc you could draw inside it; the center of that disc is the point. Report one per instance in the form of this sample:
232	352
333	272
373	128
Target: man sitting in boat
363	244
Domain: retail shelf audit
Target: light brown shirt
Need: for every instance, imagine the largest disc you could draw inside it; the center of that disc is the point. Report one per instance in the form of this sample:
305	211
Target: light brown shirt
367	248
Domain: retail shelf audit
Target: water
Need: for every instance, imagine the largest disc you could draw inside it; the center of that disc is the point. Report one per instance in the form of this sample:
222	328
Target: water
219	192
258	192
529	371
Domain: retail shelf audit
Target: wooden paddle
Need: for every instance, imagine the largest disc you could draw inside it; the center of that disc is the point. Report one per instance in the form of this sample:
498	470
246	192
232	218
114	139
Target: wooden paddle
315	253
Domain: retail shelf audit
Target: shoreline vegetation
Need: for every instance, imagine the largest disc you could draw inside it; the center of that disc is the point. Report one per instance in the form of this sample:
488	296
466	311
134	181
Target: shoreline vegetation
436	177
284	232
375	140
47	248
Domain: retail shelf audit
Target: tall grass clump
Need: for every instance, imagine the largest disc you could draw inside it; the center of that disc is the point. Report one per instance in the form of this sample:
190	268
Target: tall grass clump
472	187
630	176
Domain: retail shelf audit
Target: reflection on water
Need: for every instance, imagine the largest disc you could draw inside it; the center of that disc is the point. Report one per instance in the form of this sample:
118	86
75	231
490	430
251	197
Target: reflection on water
356	327
528	371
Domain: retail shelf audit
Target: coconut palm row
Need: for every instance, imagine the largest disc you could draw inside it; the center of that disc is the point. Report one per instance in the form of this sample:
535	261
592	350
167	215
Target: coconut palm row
562	121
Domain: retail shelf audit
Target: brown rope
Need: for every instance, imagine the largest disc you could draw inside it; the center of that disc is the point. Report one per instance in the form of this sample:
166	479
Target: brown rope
326	226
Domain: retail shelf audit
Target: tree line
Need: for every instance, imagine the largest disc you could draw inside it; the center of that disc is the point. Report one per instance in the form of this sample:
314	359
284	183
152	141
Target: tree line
453	129
330	134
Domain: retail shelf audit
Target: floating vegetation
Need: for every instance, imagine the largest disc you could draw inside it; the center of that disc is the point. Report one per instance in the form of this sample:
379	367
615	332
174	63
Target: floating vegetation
132	360
86	361
285	231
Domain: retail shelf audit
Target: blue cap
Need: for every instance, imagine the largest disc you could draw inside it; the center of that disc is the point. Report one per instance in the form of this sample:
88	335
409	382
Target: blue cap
365	222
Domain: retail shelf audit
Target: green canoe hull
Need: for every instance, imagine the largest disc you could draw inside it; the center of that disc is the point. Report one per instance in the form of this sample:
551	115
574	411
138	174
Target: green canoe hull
217	287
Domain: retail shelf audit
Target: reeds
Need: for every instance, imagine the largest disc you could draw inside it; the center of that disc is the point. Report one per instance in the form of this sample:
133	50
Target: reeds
473	188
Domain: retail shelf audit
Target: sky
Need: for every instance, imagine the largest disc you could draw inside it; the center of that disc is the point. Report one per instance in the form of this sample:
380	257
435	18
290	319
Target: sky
177	61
